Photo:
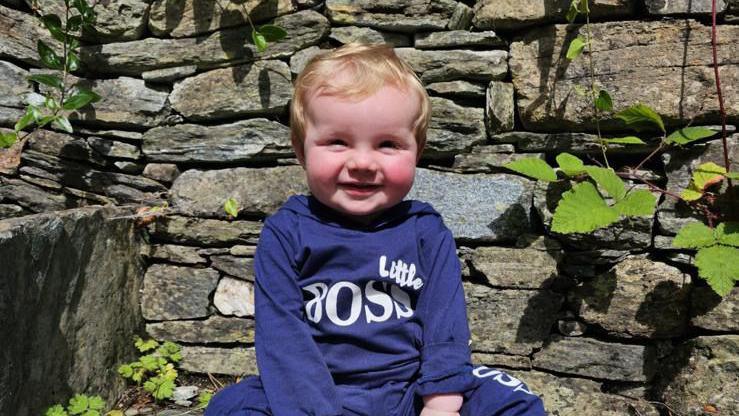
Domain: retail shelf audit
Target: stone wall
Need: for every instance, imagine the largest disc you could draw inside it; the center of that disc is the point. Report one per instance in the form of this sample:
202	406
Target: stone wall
610	323
69	306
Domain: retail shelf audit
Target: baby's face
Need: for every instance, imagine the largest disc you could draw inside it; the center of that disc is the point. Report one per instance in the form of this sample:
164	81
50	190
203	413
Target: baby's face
360	155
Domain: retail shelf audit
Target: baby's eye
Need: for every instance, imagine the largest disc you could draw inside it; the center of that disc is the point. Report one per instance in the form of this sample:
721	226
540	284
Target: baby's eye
336	142
389	144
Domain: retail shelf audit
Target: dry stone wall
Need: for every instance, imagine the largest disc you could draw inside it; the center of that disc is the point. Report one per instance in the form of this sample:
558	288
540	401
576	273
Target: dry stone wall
611	323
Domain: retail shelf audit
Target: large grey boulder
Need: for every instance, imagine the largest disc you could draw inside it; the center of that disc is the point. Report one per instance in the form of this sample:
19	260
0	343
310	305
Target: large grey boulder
664	64
69	305
229	46
258	89
510	14
400	16
637	298
480	207
244	141
193	17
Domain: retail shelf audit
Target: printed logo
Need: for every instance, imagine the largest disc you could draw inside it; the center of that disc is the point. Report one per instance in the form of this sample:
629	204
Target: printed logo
402	273
502	378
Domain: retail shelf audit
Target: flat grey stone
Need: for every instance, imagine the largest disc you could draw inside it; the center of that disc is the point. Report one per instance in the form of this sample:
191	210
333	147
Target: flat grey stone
458	39
234	297
597	359
300	59
169	74
658	63
450	65
11	210
488	159
257	191
231	361
126	166
668	7
710	311
461	17
133	136
114	148
501	360
193	17
516	267
457	89
258	89
19	34
499	108
176	292
247	140
176	254
30	197
9	116
637	298
161	172
64	146
214	329
405	16
511	15
13	85
453	128
240	267
349	34
496	207
207	232
523	318
240	250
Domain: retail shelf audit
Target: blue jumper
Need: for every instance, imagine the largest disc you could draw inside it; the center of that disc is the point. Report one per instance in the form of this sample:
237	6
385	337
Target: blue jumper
356	319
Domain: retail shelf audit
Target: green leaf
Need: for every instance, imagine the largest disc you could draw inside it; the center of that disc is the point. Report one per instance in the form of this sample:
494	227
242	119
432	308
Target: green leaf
694	235
50	80
91	412
704	176
54	24
62	123
144	346
732	175
96	403
24	121
533	167
259	41
641	117
45	120
74	23
231	207
73	61
584	8
125	370
624	140
570	165
582	210
78	404
149	362
727	233
576	47
204	399
691	193
7	139
83	97
607	179
48	56
88	15
165	390
719	266
638	202
272	33
604	101
573	11
56	410
689	134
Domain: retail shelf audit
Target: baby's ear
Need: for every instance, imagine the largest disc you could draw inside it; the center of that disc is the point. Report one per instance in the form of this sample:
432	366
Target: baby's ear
297	145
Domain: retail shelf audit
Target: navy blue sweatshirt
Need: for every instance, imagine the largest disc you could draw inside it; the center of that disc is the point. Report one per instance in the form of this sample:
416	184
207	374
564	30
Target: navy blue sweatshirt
339	303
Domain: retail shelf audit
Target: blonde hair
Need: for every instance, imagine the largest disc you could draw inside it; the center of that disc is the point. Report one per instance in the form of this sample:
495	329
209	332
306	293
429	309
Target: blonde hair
368	68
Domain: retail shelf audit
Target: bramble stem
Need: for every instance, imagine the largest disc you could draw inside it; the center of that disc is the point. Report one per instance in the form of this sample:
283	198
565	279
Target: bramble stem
718	86
588	34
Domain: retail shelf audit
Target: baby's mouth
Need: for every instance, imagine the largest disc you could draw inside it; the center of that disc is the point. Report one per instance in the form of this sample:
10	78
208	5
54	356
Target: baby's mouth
359	186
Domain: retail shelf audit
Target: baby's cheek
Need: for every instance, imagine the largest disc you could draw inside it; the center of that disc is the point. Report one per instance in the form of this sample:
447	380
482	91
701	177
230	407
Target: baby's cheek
401	175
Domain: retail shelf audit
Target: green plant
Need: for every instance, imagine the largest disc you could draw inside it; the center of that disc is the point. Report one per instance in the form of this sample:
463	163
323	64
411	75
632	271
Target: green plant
155	370
204	398
60	99
599	196
80	404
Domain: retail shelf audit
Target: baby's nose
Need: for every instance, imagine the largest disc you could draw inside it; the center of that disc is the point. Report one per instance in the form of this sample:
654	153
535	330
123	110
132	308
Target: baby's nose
361	161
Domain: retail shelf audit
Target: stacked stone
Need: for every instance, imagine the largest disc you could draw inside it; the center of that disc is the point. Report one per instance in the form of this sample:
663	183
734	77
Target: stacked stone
607	323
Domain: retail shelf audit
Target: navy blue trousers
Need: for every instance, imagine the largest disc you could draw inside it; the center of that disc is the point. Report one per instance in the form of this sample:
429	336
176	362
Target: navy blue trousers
496	394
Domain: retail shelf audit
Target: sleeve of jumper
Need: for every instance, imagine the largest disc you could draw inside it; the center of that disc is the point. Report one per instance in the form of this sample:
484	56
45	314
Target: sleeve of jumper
295	377
445	354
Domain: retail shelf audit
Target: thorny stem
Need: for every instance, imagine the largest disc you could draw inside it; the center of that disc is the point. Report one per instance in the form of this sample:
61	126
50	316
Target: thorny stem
588	34
652	187
718	86
661	143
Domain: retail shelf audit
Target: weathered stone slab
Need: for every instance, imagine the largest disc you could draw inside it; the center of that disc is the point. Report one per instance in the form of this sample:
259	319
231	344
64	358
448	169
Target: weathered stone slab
399	16
161	172
349	34
664	64
231	361
516	267
510	14
457	89
680	164
64	146
458	39
187	230
176	254
166	75
30	197
577	396
11	210
577	143
234	297
461	17
248	140
240	250
258	191
668	7
114	148
709	311
19	33
229	46
453	128
702	371
450	65
215	329
13	85
258	89
193	17
488	159
499	109
300	59
501	360
240	267
637	298
597	359
9	116
176	292
118	20
510	321
496	206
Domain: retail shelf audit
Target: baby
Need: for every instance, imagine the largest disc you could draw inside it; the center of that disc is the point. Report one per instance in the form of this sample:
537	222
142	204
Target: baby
360	308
